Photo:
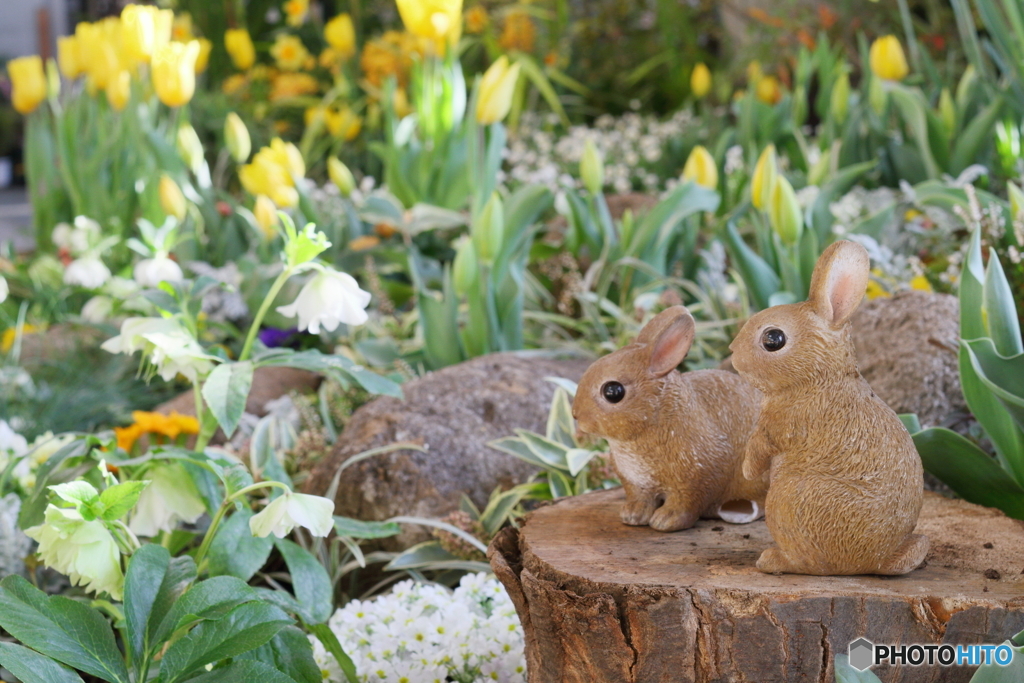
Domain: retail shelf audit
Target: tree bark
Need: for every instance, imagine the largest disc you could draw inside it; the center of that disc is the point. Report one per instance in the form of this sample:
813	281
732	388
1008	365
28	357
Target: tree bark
601	602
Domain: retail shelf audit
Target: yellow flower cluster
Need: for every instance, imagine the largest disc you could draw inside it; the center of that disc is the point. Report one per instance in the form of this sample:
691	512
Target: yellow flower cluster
11	333
290	53
273	171
518	32
389	55
439	22
342	123
170	426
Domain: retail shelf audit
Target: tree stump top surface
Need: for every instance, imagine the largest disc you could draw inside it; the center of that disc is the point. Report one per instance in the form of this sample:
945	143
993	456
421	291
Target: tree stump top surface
977	554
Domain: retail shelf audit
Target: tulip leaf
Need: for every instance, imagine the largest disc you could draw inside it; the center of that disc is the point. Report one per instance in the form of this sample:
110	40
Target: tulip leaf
68	631
357	528
913	109
1004	378
31	667
147	569
288	652
226	391
310	582
244	671
1000	310
759	276
117	500
968	470
819	216
976	134
234	551
330	642
847	674
243	628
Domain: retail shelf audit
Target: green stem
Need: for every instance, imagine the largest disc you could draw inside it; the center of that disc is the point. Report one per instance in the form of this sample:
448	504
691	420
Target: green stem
211	531
207	428
275	289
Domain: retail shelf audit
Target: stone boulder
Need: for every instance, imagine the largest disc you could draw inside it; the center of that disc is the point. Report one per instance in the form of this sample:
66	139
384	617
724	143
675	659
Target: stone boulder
452	413
907	351
268	384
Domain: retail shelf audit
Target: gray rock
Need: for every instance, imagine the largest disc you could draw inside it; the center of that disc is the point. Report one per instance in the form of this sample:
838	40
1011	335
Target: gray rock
907	351
452	413
14	544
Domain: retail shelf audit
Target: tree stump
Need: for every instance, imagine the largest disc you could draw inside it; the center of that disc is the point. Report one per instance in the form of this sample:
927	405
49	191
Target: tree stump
601	602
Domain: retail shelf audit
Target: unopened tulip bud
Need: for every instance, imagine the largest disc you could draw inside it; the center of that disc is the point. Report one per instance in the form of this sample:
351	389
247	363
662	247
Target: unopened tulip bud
236	137
784	212
341	176
488	230
887	59
172	201
592	168
700	168
700	80
840	100
763	182
190	148
464	269
947	110
266	215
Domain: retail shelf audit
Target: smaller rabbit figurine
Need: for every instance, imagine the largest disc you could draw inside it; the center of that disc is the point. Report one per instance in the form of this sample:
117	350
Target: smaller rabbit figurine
846	482
677	439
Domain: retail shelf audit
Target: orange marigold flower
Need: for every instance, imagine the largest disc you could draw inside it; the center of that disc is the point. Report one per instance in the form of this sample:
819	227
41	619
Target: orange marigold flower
127	436
518	32
476	19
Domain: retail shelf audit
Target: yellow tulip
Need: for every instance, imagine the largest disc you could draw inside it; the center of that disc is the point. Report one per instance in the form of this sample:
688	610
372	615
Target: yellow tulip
236	137
28	83
71	65
496	87
174	72
887	59
289	52
592	168
768	90
784	212
203	59
144	29
272	172
266	215
296	11
238	43
341	176
181	28
700	80
119	90
763	182
401	103
439	21
172	201
340	34
287	155
700	168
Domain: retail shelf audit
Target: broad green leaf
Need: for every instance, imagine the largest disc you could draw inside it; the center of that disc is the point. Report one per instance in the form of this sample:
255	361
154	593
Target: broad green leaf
146	571
974	136
518	448
337	366
761	280
310	582
1012	673
566	384
560	427
560	485
234	551
547	450
244	671
847	674
116	501
914	110
1000	312
498	508
968	470
1004	378
578	459
243	628
209	599
445	526
181	572
428	554
79	492
326	636
289	652
356	528
31	667
226	391
75	635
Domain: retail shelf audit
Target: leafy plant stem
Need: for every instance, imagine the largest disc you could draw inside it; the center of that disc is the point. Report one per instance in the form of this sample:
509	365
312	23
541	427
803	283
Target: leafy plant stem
228	503
254	329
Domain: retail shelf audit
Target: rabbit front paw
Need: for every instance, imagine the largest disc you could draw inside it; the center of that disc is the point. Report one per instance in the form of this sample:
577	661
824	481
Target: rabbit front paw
638	511
668	518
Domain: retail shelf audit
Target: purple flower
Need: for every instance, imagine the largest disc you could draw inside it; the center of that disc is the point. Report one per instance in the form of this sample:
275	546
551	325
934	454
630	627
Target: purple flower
273	337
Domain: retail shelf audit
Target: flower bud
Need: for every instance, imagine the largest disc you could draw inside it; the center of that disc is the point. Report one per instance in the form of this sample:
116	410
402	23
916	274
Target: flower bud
341	176
763	182
784	211
700	81
964	87
464	270
266	215
488	229
839	102
496	87
236	137
947	110
190	148
1016	200
887	59
700	168
172	201
592	168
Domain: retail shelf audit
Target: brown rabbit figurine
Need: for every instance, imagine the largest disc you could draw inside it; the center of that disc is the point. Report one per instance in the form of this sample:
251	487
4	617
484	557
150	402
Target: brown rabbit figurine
846	482
676	439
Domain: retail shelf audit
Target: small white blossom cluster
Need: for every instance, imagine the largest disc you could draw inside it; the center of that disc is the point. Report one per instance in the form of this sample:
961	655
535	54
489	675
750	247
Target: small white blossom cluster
631	147
14	544
422	633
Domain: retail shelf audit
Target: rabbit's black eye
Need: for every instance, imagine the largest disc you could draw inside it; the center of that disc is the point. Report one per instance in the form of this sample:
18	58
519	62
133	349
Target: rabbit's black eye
613	392
773	339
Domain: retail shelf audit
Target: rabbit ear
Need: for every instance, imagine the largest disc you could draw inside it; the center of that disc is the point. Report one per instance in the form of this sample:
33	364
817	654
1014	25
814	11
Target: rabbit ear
653	329
839	281
672	344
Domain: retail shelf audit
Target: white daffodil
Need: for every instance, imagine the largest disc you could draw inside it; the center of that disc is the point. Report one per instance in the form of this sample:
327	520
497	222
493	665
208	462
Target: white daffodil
89	272
328	299
167	345
290	510
152	271
4	291
171	497
85	551
97	309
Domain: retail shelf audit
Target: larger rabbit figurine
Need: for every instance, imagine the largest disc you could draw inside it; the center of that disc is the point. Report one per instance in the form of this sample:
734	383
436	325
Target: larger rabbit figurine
845	479
677	439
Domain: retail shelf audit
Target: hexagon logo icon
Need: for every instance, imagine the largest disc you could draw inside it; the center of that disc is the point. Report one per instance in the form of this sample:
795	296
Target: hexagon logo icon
862	653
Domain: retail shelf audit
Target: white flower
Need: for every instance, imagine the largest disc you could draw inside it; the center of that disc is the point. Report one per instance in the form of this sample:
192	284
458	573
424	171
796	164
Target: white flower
3	289
97	309
85	551
152	271
289	510
121	288
78	238
166	344
39	452
88	272
171	497
12	444
330	298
